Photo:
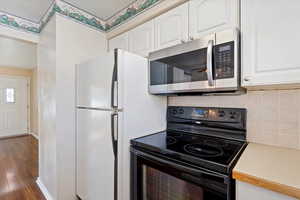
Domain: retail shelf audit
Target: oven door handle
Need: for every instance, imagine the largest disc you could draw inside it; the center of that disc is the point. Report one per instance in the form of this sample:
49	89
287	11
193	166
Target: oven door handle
209	63
171	164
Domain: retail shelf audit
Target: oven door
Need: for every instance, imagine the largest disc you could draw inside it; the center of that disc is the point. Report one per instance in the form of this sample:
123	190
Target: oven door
155	178
186	67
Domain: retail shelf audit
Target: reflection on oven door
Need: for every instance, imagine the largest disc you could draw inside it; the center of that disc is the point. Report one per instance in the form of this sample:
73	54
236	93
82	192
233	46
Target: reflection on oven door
161	186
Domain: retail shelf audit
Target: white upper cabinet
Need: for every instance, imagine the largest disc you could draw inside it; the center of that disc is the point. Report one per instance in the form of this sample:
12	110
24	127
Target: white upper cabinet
141	39
120	42
206	16
270	42
171	28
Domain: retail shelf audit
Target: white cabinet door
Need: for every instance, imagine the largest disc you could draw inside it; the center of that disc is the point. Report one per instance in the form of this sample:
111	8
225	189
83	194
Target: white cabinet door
13	106
245	191
172	28
120	42
206	16
141	39
270	42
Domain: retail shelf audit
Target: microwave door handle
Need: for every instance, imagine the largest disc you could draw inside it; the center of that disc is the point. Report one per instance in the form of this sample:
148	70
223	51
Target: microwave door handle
209	63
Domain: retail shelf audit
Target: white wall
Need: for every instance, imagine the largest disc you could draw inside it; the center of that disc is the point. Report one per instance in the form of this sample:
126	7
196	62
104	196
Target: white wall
64	43
17	34
75	43
47	107
17	53
34	126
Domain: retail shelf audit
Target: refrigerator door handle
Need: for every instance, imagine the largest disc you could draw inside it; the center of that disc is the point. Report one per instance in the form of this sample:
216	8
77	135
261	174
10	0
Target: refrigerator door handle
114	132
114	139
114	84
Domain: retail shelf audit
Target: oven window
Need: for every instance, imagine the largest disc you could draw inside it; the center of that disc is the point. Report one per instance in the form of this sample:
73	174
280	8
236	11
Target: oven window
171	184
187	67
161	186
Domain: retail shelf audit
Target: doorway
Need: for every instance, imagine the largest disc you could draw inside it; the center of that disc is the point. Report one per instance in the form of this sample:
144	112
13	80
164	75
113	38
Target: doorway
14	106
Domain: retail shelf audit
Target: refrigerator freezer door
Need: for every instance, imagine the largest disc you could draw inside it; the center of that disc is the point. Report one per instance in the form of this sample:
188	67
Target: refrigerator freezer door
94	82
142	113
95	155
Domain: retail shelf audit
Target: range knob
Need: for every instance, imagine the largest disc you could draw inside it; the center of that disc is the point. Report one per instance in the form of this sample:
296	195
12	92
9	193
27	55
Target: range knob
174	112
222	113
233	115
181	111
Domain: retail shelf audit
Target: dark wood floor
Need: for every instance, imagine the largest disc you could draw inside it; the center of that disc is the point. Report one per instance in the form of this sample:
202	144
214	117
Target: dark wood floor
19	169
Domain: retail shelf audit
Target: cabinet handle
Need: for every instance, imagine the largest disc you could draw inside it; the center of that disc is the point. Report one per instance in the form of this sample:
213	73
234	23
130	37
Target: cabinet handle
247	79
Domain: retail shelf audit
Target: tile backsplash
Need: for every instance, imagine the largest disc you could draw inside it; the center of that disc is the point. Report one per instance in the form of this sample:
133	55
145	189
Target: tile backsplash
273	116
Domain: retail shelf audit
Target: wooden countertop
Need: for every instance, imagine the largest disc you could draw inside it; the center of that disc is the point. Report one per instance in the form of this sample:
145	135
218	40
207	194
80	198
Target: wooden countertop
273	168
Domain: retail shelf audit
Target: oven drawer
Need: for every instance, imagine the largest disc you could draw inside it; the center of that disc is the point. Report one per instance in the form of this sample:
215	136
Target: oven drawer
157	178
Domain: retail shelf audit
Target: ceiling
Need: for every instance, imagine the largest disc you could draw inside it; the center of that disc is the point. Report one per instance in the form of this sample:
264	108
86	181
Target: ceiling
103	9
32	10
35	9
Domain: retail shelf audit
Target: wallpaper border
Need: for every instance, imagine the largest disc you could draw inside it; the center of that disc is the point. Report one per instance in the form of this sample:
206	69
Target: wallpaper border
77	14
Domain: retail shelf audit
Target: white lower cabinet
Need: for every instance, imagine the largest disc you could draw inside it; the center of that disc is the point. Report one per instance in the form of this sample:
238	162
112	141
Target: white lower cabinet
120	42
172	28
245	191
141	39
270	42
207	16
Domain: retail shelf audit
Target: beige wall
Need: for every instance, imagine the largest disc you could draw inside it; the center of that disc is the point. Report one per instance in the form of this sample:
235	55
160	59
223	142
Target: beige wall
273	116
31	73
11	71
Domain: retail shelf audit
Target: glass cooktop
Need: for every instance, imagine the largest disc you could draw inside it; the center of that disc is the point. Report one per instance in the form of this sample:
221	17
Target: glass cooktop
205	151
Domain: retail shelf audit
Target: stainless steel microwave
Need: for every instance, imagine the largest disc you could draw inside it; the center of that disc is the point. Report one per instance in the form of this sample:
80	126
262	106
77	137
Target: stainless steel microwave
208	64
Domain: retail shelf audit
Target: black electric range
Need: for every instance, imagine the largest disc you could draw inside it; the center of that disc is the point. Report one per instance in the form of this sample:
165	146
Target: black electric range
200	146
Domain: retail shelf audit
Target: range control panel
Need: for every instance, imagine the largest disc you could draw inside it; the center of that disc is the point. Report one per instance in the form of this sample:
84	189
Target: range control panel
230	115
218	122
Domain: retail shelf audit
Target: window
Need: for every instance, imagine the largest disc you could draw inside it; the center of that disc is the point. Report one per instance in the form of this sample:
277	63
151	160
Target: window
10	95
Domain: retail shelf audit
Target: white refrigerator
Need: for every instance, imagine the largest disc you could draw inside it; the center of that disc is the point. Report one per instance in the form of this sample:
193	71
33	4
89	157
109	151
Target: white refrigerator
113	106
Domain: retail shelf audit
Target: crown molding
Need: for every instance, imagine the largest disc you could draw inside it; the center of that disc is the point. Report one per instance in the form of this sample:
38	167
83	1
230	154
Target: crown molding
18	23
143	17
129	12
79	15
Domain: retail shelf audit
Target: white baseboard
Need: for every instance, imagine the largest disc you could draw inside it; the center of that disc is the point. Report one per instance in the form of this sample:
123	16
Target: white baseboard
34	135
44	189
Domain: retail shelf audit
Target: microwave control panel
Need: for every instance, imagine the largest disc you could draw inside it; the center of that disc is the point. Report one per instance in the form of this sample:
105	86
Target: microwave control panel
224	60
